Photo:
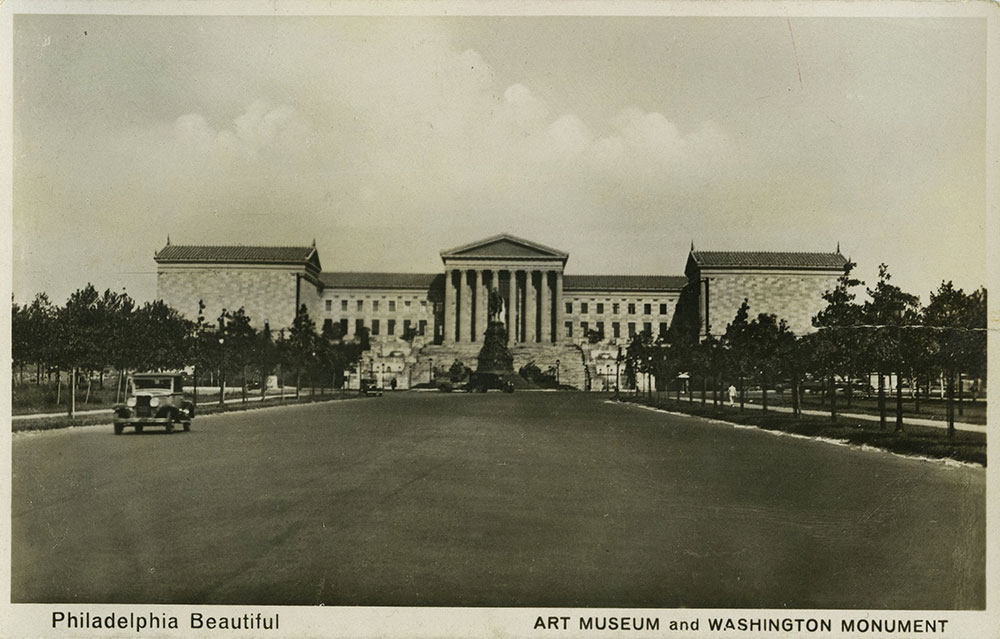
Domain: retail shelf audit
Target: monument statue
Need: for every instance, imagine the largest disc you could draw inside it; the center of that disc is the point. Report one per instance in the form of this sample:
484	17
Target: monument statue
496	305
495	359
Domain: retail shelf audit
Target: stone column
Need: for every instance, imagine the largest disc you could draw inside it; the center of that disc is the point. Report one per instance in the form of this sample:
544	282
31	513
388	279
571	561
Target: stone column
449	306
482	306
512	307
560	307
465	307
531	309
546	335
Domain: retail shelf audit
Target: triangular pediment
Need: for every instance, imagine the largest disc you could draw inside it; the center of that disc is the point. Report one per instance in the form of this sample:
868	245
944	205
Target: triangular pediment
504	246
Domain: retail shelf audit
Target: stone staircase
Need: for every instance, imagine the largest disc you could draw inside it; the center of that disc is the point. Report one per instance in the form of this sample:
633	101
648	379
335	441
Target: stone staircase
572	371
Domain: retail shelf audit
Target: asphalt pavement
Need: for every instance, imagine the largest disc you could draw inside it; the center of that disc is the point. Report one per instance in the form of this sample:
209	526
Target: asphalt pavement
530	499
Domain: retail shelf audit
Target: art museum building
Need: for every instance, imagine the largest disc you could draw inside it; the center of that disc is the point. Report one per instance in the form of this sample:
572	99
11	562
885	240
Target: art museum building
546	309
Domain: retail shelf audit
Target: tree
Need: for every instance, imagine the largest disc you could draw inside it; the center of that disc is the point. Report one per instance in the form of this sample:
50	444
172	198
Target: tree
302	341
958	323
737	344
164	335
768	345
78	336
241	340
638	357
838	345
889	309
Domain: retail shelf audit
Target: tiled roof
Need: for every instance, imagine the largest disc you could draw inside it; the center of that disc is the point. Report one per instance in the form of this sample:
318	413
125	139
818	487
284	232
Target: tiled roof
623	282
353	279
767	259
236	253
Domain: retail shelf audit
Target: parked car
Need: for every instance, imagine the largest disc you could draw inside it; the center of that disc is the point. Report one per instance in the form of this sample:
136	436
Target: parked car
369	388
482	382
154	399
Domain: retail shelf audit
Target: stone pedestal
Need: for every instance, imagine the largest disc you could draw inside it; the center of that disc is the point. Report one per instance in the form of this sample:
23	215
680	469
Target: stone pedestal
494	356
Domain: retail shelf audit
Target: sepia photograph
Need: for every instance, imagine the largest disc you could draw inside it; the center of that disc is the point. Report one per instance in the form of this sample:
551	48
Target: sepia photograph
492	319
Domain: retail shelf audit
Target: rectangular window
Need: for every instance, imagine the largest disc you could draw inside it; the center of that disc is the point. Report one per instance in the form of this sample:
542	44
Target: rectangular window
569	308
647	309
361	305
663	309
663	329
406	303
406	327
583	308
343	326
600	308
374	306
329	305
359	325
343	305
647	327
631	308
392	327
583	329
327	324
423	305
600	328
615	308
423	327
631	329
616	329
374	327
392	307
569	329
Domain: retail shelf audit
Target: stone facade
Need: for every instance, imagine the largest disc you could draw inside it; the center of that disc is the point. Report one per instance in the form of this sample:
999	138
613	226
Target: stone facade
788	285
794	297
267	294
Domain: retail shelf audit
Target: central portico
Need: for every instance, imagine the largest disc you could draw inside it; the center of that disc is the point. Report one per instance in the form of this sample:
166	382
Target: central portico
529	276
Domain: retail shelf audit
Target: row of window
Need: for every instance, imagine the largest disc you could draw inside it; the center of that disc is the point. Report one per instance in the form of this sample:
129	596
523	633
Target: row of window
376	326
647	309
360	305
616	328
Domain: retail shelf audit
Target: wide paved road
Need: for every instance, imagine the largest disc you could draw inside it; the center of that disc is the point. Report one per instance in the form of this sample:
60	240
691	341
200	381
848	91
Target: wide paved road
531	499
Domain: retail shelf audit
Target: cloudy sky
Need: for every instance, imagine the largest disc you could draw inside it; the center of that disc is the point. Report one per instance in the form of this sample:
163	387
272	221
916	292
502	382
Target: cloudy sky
619	140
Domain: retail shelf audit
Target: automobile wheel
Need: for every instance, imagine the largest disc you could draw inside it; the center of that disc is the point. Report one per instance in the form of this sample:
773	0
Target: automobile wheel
138	429
118	429
170	428
187	427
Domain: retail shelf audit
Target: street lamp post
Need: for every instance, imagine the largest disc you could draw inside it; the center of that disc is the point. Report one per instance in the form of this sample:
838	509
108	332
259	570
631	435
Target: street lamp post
222	371
649	377
557	372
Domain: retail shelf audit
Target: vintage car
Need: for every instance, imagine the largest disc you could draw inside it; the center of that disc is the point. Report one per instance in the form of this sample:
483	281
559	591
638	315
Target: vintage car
482	382
370	388
154	399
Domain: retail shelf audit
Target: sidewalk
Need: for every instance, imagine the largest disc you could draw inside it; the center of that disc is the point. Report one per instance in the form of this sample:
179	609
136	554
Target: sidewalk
890	419
215	402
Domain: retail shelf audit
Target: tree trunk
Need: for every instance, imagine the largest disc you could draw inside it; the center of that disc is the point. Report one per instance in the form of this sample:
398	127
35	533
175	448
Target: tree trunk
833	398
951	405
881	401
222	388
243	388
298	383
743	394
916	394
89	382
796	405
704	390
899	401
72	393
194	374
850	392
58	388
961	396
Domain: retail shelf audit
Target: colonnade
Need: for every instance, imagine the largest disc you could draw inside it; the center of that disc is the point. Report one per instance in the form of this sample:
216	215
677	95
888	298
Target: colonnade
533	311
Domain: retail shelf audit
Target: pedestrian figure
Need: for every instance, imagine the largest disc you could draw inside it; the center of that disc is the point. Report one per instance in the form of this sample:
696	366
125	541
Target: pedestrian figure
732	395
392	384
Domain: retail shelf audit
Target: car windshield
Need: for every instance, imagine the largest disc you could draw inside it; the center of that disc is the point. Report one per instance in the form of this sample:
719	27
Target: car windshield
146	383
